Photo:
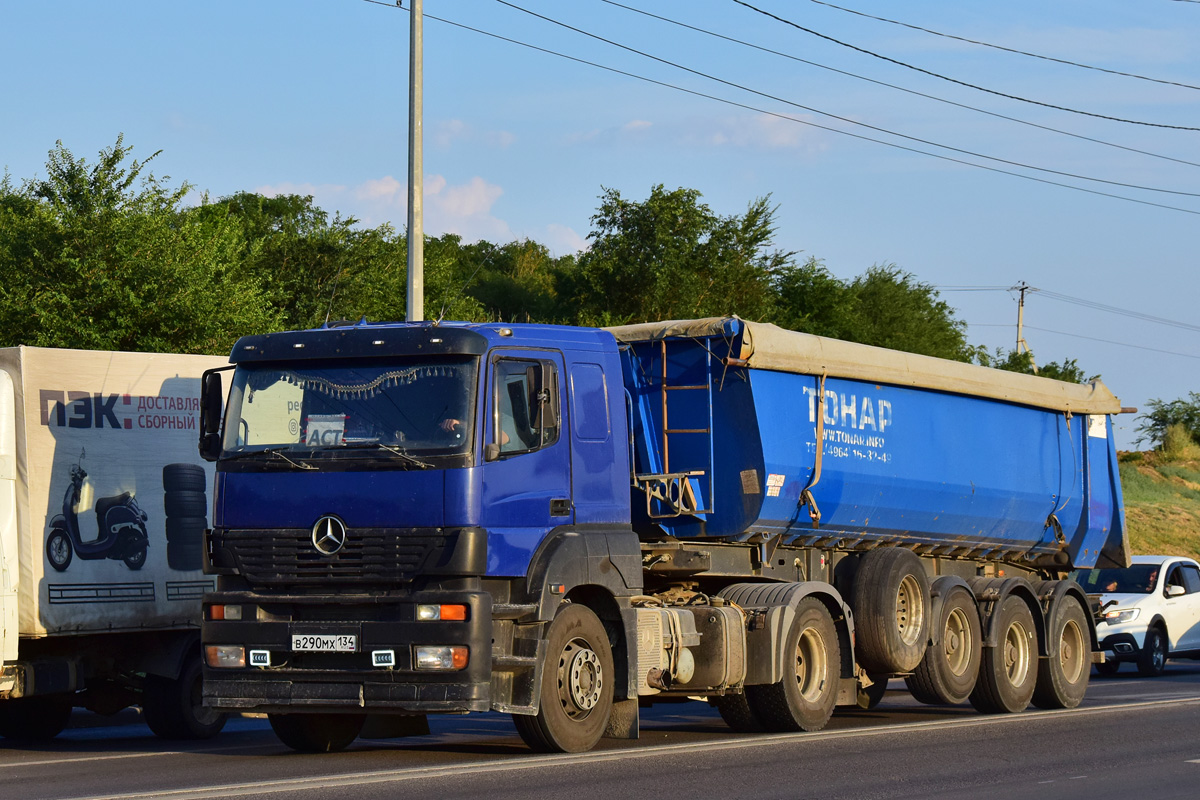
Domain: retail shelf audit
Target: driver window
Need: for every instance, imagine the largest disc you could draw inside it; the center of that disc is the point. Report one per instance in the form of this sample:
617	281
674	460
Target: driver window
1175	577
1191	578
526	403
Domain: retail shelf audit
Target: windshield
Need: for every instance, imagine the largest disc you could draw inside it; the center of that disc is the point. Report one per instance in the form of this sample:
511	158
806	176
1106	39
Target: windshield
417	405
1138	579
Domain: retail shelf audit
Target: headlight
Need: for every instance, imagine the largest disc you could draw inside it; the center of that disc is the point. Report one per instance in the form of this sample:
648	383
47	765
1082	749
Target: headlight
1121	615
448	657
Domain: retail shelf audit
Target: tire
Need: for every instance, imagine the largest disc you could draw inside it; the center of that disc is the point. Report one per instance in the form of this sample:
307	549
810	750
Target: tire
1062	680
736	711
1008	671
34	719
174	709
948	672
186	529
58	550
185	504
1152	661
577	685
185	556
1108	667
184	478
804	697
891	610
137	559
317	733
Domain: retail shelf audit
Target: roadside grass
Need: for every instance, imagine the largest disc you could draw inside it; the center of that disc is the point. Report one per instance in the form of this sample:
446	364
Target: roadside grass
1162	502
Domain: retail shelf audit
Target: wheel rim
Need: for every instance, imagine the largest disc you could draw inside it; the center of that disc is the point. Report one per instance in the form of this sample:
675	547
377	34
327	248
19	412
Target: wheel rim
812	665
580	679
958	642
910	610
1016	654
1070	652
58	550
1159	652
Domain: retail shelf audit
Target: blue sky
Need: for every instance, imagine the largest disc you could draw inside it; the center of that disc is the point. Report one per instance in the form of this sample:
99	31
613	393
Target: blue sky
311	96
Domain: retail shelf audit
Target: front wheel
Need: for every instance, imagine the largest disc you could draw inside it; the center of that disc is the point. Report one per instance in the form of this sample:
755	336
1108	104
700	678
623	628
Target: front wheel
803	699
174	709
1152	661
317	733
577	686
137	559
1108	667
58	549
34	719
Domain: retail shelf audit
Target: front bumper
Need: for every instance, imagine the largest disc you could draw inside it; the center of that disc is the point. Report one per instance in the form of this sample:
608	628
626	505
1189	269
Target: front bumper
1122	646
346	682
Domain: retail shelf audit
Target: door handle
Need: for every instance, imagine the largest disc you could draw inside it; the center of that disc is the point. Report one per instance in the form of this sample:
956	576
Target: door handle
560	507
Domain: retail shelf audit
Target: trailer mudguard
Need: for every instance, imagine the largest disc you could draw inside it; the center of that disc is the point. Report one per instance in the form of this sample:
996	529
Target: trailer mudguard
938	589
991	592
1052	594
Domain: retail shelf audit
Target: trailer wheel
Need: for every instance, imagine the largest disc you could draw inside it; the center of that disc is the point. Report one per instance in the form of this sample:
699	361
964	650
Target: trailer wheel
891	610
1063	680
58	550
34	719
736	711
174	709
577	685
317	733
184	477
948	672
803	699
1008	672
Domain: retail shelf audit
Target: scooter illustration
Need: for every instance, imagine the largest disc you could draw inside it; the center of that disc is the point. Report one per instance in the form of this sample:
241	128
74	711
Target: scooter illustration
122	528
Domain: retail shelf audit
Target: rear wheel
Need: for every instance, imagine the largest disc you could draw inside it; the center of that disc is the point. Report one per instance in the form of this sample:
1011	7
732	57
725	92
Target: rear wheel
891	610
1152	661
1008	672
34	719
577	685
1063	678
58	549
174	709
947	673
317	733
804	697
736	711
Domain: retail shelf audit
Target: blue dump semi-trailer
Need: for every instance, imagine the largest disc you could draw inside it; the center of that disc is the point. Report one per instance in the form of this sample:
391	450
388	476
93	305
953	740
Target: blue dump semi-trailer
566	524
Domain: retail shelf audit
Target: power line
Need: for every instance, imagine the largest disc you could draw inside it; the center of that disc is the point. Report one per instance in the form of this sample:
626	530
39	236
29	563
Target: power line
846	120
777	115
1089	338
901	88
1079	301
1007	49
955	80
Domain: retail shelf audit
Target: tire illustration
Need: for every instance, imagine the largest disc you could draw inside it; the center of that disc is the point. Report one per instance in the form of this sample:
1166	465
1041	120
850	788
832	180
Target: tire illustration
577	685
185	529
317	733
1152	661
1008	671
58	549
34	719
185	504
803	699
1063	678
184	477
891	610
185	556
947	673
174	708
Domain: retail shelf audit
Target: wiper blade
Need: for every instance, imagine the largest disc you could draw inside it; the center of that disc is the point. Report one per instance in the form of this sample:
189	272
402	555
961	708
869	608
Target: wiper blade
277	452
391	448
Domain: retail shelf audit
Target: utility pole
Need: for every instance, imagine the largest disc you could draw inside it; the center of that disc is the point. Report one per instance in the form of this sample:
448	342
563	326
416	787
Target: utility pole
1022	345
416	226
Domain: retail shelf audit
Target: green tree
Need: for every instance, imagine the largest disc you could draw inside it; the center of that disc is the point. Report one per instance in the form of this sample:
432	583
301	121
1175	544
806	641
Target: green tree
1154	424
104	256
1067	370
670	256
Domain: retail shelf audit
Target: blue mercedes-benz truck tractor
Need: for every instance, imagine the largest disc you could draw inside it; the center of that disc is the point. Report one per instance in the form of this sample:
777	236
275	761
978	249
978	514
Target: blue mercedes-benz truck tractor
567	524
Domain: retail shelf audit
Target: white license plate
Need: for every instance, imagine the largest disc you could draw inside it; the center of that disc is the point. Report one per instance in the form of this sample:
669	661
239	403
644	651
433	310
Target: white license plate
321	643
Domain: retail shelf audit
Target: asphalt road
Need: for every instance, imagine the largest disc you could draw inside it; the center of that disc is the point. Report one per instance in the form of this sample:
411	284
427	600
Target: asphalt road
1133	739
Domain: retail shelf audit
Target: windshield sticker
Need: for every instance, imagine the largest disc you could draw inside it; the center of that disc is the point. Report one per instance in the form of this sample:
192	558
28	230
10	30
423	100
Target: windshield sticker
325	430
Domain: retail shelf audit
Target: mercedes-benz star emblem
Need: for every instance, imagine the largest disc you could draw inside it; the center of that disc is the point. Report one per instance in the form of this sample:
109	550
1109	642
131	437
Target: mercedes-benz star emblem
329	535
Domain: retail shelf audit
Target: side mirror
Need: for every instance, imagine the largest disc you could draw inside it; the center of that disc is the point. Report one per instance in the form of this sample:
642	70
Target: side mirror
211	398
1175	590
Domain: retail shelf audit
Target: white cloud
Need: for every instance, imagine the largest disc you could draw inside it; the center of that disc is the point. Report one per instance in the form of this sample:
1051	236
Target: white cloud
449	132
563	240
759	132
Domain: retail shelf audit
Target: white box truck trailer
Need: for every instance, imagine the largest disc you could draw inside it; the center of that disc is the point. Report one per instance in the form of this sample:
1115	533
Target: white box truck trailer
103	506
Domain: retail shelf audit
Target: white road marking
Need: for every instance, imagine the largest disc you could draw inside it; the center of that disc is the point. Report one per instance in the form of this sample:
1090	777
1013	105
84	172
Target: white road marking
81	759
460	769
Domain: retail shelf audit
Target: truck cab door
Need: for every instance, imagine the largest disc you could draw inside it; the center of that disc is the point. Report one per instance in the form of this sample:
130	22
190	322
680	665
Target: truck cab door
527	465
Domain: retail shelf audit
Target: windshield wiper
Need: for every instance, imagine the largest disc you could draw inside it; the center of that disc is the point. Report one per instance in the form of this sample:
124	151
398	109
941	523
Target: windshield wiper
391	448
277	452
